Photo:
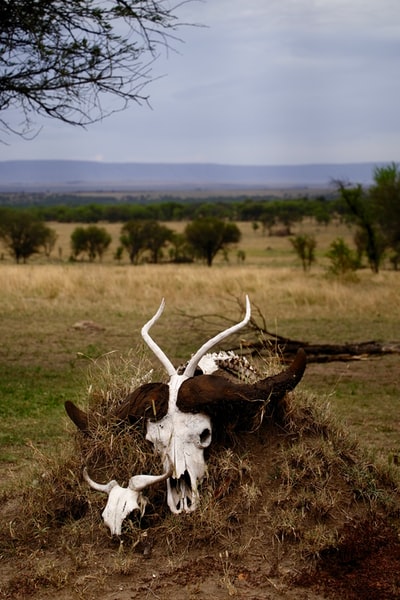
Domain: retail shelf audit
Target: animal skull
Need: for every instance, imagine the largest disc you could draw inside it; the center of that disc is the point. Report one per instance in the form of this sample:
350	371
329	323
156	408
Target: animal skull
122	501
184	412
180	438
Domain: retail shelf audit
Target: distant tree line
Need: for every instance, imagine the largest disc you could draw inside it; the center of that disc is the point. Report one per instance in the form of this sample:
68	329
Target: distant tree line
373	212
93	209
144	240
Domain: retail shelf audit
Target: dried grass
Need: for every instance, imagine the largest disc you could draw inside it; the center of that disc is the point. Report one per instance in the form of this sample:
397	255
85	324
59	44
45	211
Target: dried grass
281	292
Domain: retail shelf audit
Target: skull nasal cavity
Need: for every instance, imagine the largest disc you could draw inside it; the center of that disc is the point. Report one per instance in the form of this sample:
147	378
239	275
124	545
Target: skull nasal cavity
205	436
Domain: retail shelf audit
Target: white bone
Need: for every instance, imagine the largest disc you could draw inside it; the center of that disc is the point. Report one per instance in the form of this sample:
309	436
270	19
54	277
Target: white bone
229	362
151	343
193	362
180	438
122	501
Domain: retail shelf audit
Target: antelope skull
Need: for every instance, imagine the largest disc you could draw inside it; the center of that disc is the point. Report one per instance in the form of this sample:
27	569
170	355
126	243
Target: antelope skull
180	438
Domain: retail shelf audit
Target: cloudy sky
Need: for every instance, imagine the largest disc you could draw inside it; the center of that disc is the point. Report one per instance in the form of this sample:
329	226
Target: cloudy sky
263	82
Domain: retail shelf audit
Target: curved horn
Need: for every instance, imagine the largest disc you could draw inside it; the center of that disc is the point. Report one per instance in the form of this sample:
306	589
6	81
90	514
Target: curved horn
139	482
191	367
153	346
196	393
149	400
77	416
100	487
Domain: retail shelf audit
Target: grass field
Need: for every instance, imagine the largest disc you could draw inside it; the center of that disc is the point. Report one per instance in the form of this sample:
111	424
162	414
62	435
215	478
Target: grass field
44	360
304	481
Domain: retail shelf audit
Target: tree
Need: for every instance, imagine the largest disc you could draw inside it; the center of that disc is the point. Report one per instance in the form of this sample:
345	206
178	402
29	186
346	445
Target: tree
209	235
362	212
268	218
67	60
385	200
157	237
50	242
289	213
23	234
180	250
139	236
93	240
342	258
133	239
376	212
305	246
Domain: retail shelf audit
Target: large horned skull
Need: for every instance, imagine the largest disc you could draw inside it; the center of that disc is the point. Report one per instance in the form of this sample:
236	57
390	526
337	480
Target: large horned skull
185	410
180	438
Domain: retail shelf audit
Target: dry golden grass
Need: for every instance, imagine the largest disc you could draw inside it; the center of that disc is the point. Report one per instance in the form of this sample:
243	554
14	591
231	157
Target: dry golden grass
281	293
41	301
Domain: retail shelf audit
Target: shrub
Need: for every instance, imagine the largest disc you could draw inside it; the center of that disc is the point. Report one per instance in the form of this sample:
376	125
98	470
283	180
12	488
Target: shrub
342	258
304	246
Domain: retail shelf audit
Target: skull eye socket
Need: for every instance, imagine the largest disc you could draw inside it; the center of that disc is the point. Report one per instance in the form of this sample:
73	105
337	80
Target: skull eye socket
205	438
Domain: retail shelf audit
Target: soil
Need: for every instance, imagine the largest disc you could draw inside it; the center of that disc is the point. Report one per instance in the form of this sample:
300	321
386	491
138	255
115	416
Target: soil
359	570
365	566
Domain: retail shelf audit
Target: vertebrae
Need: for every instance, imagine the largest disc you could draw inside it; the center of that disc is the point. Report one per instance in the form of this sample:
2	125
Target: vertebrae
226	362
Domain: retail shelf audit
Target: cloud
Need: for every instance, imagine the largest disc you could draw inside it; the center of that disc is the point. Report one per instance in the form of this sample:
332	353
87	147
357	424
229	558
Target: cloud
262	82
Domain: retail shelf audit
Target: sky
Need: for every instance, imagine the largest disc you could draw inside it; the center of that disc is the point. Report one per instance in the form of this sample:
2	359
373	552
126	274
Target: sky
260	82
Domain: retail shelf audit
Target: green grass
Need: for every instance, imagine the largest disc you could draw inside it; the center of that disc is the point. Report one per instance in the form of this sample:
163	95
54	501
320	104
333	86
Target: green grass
32	407
365	395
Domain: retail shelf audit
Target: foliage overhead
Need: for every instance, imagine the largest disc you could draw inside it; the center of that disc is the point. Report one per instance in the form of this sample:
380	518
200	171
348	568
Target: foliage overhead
78	61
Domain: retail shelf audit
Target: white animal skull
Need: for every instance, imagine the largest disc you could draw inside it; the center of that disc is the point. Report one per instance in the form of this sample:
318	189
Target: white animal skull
122	501
180	438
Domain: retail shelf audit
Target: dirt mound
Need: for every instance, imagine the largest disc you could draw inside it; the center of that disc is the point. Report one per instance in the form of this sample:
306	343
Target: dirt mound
292	510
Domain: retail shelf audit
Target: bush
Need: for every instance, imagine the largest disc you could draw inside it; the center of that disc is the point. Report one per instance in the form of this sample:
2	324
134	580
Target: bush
343	259
93	240
305	246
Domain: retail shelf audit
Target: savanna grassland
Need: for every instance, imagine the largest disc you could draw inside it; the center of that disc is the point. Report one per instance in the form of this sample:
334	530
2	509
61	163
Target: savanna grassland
44	359
48	354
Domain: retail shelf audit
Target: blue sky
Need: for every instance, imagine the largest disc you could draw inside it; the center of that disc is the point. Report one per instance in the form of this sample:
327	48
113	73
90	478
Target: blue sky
263	82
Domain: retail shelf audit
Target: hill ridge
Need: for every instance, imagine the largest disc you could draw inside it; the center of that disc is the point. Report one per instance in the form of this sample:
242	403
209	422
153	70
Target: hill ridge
84	175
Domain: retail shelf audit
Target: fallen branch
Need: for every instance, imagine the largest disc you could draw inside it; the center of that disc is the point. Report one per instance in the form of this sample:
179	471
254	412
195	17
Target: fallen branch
256	339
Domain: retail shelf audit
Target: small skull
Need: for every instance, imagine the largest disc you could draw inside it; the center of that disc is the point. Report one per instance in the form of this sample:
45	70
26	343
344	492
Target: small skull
122	501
